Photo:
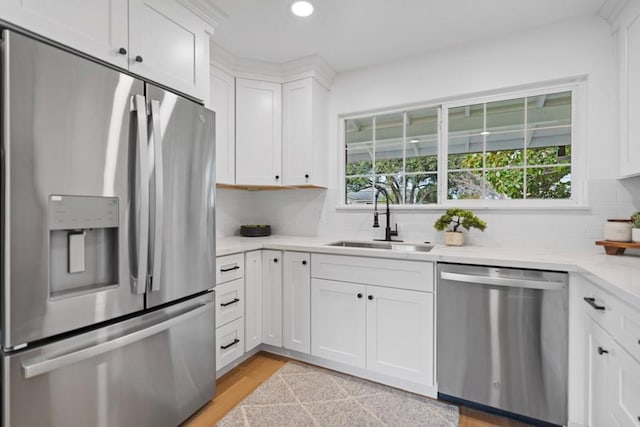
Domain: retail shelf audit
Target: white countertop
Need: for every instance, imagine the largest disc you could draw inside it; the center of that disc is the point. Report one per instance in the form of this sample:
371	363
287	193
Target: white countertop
619	274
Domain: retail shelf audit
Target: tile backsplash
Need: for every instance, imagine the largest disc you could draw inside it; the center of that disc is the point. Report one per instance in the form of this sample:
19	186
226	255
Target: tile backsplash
312	212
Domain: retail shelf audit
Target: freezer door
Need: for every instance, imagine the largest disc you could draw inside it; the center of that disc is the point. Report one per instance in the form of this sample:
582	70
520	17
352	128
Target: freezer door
153	370
69	162
182	242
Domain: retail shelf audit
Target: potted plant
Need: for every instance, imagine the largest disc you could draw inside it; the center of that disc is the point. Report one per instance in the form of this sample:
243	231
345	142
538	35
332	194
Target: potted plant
635	231
452	220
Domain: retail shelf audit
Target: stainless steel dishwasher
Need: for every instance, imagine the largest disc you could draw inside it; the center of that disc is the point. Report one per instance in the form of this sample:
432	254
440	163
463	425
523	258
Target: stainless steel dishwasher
502	339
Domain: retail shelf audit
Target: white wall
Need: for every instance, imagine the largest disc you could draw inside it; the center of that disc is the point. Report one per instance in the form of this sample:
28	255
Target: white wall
567	49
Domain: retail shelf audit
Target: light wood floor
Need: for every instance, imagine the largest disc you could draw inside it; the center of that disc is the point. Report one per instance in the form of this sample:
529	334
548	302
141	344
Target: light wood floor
233	387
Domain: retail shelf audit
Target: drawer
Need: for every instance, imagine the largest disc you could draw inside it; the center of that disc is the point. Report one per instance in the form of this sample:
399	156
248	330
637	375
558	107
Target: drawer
229	302
617	317
230	267
414	275
229	343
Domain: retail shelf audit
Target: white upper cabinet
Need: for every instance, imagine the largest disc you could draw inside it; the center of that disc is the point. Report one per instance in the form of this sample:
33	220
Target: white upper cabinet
223	102
96	27
157	39
304	134
628	38
258	132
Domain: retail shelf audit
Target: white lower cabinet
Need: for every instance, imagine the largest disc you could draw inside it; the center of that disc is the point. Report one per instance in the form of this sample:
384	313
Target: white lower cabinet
272	298
612	393
338	316
229	343
296	301
400	333
385	330
253	300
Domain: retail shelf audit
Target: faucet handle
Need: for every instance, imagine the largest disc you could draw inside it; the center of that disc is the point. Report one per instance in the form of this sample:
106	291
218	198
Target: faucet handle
376	224
394	232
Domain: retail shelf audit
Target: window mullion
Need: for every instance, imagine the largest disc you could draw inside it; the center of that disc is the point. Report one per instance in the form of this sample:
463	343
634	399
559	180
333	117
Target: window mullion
443	140
373	159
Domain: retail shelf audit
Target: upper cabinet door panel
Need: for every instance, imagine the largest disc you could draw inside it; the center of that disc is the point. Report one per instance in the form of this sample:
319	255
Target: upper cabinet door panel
258	132
95	27
223	102
297	132
168	44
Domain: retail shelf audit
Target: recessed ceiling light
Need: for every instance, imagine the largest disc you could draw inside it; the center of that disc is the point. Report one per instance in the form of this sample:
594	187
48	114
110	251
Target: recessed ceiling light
414	141
485	133
301	8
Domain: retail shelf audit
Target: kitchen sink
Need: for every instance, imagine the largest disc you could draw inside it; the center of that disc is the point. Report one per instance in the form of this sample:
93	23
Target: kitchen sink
394	246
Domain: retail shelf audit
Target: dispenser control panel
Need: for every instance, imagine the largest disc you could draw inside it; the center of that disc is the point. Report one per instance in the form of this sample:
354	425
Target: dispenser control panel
82	212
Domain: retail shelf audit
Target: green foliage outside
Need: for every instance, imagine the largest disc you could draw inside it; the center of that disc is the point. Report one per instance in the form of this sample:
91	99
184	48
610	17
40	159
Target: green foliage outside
635	220
456	218
550	182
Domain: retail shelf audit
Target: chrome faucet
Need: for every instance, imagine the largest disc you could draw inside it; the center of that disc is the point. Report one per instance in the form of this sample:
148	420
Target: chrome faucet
388	232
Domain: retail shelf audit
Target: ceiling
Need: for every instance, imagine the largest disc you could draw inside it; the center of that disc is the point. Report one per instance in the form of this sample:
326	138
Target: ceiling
350	34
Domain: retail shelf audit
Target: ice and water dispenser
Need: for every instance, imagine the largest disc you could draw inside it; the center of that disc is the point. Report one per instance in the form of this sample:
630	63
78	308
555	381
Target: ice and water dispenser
83	244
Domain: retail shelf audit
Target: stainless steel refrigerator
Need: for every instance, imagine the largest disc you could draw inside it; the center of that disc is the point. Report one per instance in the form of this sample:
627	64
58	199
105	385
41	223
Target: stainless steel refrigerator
107	267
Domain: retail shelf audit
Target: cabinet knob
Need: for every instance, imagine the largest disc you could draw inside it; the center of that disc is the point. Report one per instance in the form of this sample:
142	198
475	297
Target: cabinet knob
306	175
275	260
277	177
304	262
359	295
370	297
138	58
122	51
602	351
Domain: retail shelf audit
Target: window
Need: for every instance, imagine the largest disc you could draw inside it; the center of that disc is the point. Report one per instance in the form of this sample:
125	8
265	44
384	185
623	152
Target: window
507	148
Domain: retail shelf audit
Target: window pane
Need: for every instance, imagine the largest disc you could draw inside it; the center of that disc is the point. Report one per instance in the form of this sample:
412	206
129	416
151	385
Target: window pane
389	138
422	140
550	110
466	142
505	149
393	183
467	120
505	116
552	182
359	190
504	183
421	188
359	146
465	185
549	129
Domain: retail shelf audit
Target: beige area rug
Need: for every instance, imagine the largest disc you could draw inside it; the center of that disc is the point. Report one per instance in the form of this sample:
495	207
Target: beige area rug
303	395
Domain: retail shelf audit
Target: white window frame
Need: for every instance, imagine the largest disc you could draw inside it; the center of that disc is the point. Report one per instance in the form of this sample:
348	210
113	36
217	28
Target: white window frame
578	200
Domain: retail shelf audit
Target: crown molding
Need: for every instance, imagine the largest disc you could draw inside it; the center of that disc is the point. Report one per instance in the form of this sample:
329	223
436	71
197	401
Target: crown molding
308	66
610	11
205	10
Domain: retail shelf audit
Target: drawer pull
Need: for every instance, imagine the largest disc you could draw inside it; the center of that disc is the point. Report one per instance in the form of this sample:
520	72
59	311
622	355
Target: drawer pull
231	344
602	351
233	301
592	303
226	270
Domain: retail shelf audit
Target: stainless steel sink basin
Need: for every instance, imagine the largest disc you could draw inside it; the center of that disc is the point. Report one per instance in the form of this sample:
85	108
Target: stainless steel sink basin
394	246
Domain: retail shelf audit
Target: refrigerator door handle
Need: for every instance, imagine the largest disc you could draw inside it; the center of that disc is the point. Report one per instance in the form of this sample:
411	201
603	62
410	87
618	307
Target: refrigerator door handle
158	208
37	366
139	281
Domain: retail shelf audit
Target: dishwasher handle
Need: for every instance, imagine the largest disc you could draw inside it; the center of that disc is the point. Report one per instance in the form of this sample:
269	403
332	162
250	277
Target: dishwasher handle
503	281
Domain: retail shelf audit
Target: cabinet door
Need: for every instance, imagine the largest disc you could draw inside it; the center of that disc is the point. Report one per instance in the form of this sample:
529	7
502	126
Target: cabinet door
338	321
304	127
272	298
628	37
598	403
258	132
624	376
400	333
297	142
169	45
296	302
253	299
95	27
223	102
